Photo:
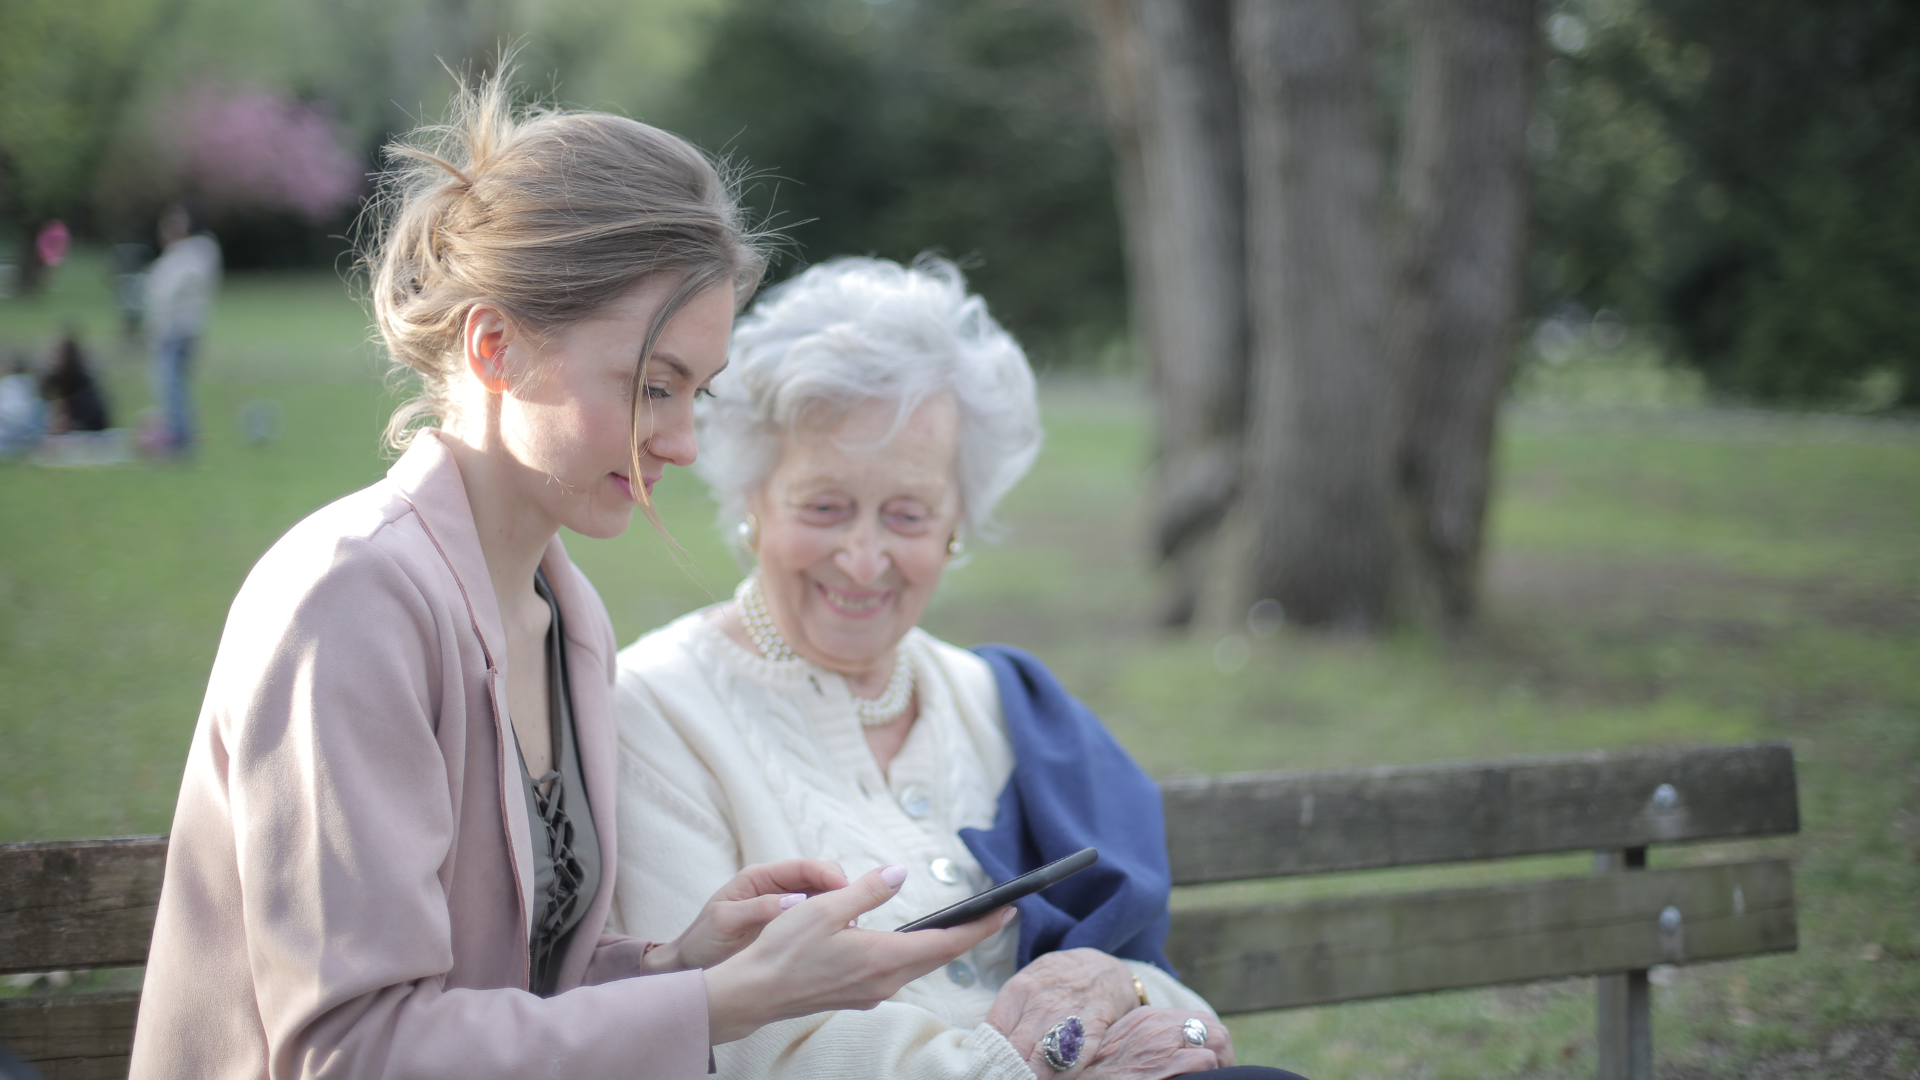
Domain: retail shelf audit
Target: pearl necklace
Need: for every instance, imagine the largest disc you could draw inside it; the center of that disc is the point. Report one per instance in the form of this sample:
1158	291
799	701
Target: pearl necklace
872	712
759	622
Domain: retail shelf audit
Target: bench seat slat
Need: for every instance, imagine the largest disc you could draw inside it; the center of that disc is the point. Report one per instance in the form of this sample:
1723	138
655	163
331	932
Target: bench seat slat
1260	825
71	1036
1281	956
79	904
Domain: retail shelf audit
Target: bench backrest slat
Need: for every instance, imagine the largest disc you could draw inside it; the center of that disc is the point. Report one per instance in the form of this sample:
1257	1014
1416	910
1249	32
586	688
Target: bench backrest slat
1260	825
71	904
72	1036
79	904
1283	956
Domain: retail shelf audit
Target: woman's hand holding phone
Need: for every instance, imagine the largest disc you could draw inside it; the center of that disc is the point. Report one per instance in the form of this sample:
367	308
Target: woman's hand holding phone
806	959
737	913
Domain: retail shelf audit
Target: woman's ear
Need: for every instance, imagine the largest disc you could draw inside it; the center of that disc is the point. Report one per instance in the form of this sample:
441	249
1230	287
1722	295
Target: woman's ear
486	336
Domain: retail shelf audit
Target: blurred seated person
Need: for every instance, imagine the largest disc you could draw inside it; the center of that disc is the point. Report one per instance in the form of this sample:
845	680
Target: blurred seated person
74	398
870	419
23	416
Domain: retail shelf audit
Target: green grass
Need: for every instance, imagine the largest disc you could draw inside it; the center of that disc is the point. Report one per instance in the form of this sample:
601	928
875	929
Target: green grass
1658	576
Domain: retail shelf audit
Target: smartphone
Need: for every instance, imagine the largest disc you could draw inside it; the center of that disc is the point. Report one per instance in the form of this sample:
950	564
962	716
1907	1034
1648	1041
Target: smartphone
1007	892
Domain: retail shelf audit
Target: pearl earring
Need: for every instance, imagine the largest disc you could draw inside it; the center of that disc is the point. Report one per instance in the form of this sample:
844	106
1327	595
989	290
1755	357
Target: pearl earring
955	546
749	533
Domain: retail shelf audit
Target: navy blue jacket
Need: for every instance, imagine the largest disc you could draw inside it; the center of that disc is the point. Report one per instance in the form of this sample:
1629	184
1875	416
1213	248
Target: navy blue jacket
1074	786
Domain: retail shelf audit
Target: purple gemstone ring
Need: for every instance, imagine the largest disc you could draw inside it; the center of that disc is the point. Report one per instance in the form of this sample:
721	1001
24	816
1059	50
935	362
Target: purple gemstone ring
1062	1043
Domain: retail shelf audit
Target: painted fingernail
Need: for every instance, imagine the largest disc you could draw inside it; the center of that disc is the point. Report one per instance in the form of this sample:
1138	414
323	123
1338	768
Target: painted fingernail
893	875
791	899
1007	916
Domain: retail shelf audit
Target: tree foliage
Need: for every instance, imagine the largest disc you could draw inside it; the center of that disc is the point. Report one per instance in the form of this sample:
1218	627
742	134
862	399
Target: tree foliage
88	93
884	126
889	128
67	74
1747	175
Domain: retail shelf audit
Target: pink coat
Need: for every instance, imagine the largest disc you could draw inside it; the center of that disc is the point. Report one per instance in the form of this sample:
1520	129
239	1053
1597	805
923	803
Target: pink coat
348	888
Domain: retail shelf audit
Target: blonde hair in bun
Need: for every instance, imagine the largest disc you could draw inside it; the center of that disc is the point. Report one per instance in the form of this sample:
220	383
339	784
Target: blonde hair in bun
546	213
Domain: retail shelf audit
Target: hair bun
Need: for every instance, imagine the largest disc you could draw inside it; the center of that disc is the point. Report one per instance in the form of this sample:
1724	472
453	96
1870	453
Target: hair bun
579	208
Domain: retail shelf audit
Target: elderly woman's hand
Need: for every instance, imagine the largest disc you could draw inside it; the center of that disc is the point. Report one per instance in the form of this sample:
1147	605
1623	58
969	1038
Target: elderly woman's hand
1151	1044
737	913
1076	982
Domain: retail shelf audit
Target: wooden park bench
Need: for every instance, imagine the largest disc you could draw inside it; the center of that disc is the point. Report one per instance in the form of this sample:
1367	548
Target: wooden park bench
90	903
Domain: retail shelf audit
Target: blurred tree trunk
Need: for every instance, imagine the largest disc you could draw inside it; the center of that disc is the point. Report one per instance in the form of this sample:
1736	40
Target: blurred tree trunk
1462	205
1168	66
1333	404
1320	439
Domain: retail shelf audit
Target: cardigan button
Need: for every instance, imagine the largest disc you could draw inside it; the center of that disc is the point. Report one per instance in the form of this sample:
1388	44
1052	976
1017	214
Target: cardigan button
961	973
945	871
916	800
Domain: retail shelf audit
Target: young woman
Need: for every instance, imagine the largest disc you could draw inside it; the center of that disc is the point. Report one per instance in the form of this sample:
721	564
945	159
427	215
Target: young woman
394	849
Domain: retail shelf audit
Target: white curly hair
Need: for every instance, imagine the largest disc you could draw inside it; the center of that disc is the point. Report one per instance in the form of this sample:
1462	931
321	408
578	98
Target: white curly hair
859	329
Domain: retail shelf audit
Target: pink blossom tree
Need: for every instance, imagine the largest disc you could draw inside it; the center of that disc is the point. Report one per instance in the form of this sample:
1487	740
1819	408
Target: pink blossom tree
248	148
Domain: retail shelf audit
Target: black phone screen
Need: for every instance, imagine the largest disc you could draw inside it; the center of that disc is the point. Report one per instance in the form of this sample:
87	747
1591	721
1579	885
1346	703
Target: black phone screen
1007	892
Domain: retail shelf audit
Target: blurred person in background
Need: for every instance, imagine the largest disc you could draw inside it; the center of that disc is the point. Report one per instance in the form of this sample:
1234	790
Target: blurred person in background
45	253
23	415
393	849
130	286
179	295
871	418
75	400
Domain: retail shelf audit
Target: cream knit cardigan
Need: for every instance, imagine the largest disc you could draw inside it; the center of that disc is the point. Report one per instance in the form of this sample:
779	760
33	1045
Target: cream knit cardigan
728	760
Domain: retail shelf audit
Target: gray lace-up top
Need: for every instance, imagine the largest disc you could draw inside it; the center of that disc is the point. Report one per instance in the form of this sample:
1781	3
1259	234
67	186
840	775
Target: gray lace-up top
566	847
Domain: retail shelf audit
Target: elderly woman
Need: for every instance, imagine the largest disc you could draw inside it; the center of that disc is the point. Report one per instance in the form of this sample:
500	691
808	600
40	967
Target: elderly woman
871	418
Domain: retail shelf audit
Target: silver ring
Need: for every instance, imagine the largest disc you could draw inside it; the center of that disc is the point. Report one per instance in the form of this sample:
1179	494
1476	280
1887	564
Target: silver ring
1194	1032
1062	1043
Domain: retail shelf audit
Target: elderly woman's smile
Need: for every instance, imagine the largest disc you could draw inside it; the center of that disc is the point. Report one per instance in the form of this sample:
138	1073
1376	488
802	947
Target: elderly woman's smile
853	529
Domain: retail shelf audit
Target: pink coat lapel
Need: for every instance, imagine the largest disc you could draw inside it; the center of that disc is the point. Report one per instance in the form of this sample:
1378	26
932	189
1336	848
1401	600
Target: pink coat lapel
428	477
